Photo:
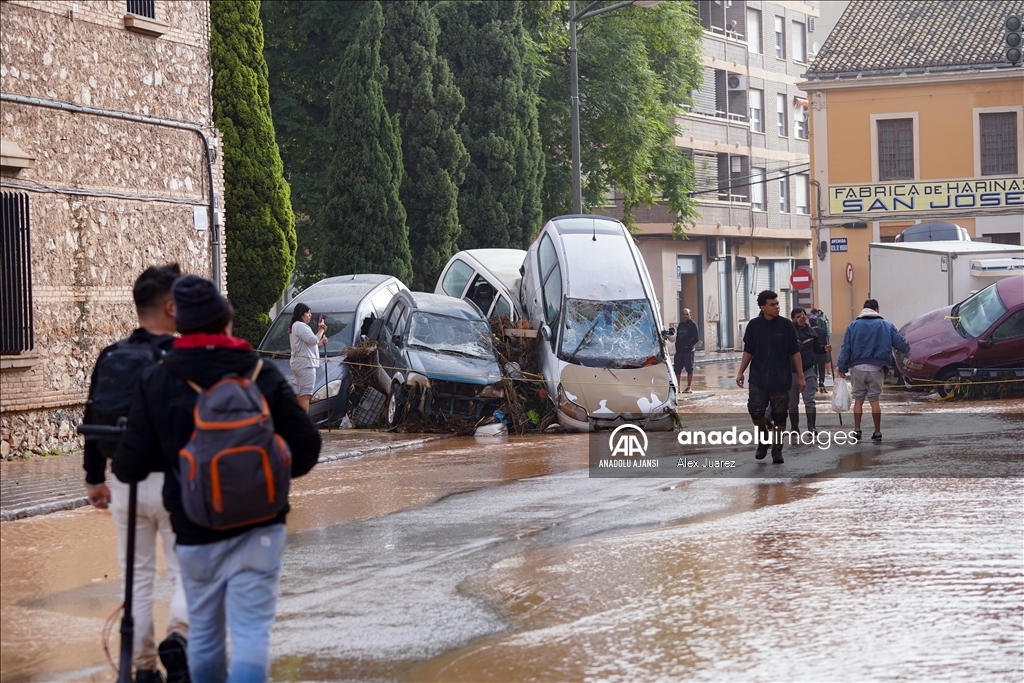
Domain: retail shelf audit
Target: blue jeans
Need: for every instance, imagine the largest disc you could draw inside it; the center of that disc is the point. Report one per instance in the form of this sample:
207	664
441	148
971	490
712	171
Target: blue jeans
237	579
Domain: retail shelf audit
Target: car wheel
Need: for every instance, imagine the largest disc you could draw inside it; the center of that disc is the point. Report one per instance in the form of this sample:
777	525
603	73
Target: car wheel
947	383
396	405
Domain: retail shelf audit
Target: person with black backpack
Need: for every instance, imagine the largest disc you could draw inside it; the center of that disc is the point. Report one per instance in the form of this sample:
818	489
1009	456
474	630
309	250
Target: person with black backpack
114	378
229	433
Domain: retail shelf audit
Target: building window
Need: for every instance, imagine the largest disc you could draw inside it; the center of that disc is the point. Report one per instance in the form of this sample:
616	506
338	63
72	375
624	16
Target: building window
800	121
143	8
784	194
780	37
999	143
896	149
16	275
756	105
799	42
757	189
781	116
754	31
801	194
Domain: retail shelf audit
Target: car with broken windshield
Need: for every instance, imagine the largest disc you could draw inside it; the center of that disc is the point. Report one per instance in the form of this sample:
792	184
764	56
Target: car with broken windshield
435	359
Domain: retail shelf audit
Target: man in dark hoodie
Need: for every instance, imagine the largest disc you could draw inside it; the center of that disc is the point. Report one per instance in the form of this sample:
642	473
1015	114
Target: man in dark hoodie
230	576
770	349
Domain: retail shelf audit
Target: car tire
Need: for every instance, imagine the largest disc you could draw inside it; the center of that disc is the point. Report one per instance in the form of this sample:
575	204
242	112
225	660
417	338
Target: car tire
948	383
396	405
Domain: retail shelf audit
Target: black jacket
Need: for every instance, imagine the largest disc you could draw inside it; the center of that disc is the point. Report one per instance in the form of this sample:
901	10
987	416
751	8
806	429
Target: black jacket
771	345
811	342
687	336
95	462
161	422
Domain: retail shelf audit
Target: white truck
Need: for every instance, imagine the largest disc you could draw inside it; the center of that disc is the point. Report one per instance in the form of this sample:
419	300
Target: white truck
913	278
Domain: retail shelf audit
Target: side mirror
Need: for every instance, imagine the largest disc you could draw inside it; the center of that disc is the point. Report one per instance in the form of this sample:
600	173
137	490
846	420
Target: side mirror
985	343
545	333
396	339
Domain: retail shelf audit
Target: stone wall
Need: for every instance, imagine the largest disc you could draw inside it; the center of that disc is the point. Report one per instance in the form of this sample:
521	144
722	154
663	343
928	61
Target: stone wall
108	197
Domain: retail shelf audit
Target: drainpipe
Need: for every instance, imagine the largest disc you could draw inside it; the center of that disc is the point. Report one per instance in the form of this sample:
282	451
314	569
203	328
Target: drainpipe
166	123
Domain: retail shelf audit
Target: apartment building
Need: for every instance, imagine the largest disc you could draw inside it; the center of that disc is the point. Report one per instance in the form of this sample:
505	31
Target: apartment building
914	125
108	165
747	132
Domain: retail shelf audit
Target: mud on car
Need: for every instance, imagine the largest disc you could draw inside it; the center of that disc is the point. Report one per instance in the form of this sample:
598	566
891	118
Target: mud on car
435	358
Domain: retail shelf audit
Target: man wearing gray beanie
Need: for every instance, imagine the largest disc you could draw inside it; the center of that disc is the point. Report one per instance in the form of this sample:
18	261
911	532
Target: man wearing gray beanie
233	572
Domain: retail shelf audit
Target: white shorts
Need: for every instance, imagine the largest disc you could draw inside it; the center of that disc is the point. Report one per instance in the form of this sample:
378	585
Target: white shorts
305	380
867	383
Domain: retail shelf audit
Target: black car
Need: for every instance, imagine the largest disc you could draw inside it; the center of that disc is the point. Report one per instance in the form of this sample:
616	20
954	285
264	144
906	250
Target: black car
435	358
349	305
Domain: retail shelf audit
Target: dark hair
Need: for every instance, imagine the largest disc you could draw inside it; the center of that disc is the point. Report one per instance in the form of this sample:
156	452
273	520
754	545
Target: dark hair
215	326
766	296
152	289
796	310
300	310
872	304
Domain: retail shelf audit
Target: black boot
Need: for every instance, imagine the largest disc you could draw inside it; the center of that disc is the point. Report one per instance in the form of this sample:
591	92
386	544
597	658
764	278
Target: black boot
777	455
794	420
812	415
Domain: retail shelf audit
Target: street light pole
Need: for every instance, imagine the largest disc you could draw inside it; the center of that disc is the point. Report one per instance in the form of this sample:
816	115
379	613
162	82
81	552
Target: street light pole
574	86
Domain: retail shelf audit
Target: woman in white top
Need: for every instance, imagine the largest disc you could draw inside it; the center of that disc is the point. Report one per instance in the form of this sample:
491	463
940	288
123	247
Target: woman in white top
305	355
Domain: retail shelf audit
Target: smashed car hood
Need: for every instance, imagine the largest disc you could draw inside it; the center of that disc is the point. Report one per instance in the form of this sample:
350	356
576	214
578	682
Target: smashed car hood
607	393
454	368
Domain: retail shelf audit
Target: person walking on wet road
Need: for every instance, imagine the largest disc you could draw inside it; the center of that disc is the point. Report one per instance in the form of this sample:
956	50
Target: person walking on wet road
821	360
687	337
811	346
771	350
867	350
305	352
153	338
231	575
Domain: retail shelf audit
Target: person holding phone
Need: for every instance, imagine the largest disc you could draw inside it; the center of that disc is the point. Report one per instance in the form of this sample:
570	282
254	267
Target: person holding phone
305	352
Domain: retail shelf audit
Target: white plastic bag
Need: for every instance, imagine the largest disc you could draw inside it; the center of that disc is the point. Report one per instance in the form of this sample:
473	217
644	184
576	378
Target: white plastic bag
840	396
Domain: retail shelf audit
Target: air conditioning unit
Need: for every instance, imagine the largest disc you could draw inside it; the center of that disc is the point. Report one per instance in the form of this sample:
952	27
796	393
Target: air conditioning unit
736	82
718	249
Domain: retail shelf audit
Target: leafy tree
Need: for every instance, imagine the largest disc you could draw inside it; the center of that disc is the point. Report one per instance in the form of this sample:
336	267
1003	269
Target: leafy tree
305	42
362	225
260	225
637	66
420	91
487	49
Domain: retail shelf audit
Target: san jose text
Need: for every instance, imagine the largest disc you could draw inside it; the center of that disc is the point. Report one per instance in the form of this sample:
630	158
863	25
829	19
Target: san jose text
930	196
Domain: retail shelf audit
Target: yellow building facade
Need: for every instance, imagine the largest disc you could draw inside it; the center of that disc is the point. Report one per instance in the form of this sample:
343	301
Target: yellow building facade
903	133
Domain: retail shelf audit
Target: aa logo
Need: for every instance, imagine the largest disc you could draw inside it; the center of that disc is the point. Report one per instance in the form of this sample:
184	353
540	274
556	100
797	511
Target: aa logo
625	442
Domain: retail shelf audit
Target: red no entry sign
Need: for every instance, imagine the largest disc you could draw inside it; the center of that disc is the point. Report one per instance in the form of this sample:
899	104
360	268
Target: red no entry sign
800	279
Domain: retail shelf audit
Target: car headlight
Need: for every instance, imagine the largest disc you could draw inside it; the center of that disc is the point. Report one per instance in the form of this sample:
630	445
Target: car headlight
911	364
570	408
496	390
331	388
415	379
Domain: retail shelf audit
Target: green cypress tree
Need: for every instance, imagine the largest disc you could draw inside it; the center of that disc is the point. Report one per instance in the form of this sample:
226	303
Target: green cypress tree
362	223
420	91
260	225
486	48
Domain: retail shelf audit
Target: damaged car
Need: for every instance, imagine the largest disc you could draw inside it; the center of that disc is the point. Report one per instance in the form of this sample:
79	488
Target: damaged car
435	358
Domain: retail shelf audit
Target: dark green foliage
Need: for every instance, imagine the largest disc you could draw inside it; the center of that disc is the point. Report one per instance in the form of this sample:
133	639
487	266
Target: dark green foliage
362	225
260	225
486	48
637	66
305	42
420	91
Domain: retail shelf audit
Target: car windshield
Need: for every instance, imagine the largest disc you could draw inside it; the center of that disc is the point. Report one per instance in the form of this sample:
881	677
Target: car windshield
339	334
607	333
979	312
445	334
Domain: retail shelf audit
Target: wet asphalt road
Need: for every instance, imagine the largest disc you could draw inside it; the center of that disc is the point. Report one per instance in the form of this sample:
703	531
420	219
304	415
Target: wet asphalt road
500	559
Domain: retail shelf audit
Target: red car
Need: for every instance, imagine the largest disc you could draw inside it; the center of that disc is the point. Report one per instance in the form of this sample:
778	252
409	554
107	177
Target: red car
986	330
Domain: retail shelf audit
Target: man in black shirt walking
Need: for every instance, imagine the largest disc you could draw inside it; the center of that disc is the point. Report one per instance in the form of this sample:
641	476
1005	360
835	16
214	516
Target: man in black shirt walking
770	349
687	337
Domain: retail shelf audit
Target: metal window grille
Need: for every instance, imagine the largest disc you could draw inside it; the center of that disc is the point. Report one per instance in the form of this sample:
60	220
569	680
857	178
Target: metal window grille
896	149
16	277
999	143
143	8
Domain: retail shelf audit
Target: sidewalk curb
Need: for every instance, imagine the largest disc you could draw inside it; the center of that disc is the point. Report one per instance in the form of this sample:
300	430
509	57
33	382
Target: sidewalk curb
383	448
43	509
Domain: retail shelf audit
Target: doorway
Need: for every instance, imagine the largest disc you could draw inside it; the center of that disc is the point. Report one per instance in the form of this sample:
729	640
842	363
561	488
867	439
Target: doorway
689	290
